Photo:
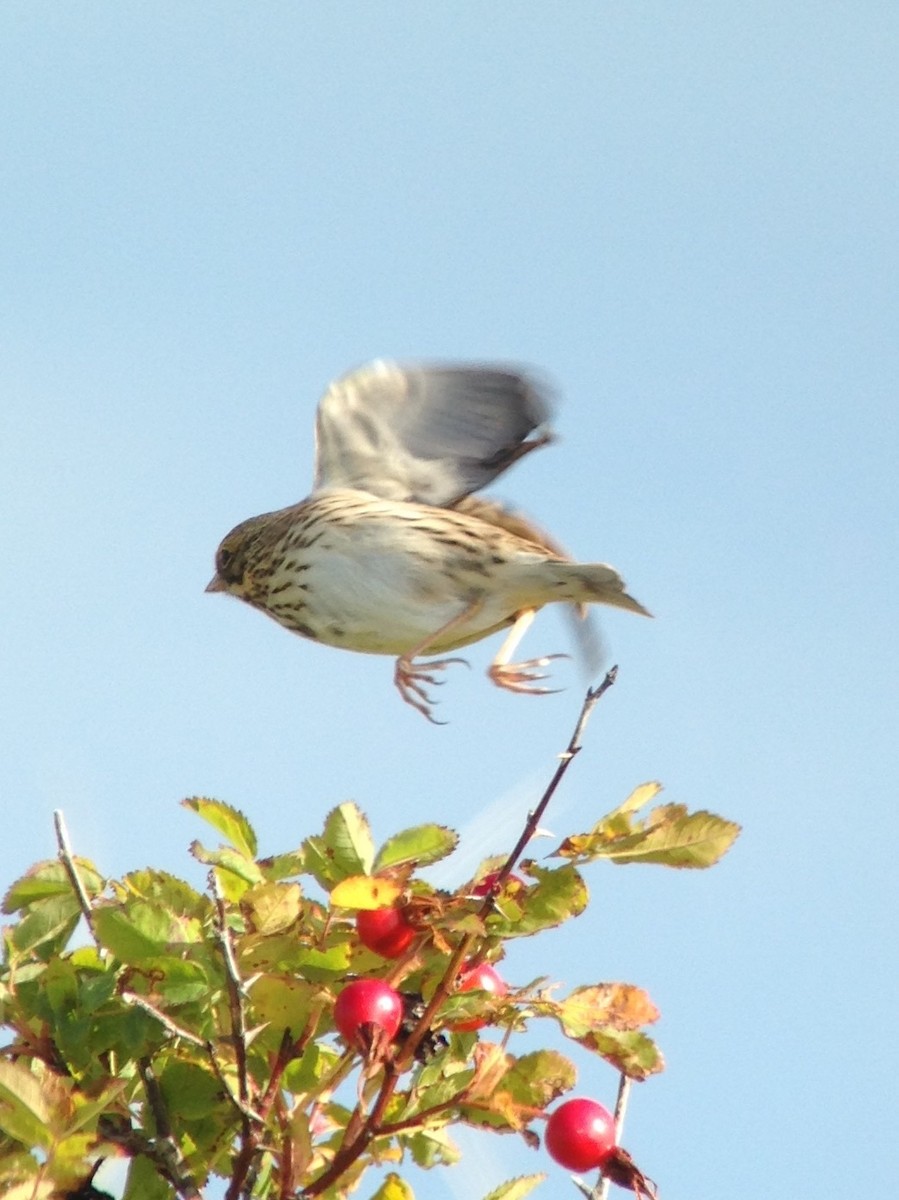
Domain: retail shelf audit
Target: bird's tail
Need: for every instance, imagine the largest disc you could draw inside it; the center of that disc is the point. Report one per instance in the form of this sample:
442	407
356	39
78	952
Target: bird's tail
592	583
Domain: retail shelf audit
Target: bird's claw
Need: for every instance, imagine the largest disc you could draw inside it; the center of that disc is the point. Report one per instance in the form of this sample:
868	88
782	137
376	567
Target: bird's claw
411	679
525	676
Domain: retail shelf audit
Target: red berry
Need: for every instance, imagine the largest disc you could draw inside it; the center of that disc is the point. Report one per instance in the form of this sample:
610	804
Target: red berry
385	930
483	978
580	1134
366	1002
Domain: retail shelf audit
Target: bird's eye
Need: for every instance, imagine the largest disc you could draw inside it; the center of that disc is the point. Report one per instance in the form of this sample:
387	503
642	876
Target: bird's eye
225	564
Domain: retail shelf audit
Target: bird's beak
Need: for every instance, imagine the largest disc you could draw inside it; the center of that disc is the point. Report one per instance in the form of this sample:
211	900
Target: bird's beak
215	584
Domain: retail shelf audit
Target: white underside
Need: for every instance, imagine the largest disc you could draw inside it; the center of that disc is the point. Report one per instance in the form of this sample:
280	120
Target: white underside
392	602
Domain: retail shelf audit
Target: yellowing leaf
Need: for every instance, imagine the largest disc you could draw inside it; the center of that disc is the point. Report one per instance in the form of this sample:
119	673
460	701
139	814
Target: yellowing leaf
639	798
283	1002
394	1188
491	1063
619	1005
677	839
669	835
366	891
272	907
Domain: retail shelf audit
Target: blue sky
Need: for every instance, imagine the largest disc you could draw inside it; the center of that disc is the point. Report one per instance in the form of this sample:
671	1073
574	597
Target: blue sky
686	216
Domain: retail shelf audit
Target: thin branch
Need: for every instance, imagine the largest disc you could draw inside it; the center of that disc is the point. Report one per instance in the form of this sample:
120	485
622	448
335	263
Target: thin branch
166	1151
601	1191
166	1021
245	1111
235	990
462	952
68	861
594	695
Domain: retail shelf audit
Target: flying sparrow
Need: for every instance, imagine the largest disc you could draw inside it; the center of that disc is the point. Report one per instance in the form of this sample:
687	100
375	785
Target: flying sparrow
391	553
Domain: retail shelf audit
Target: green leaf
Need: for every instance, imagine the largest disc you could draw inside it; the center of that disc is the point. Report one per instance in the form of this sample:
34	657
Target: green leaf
431	1148
229	821
25	1109
167	890
87	1111
284	866
133	932
177	980
630	1052
144	1182
190	1089
345	847
232	861
47	926
306	1074
515	1189
537	1079
420	846
50	878
639	798
558	895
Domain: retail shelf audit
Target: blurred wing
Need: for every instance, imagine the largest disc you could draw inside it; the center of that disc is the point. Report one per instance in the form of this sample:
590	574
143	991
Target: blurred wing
430	434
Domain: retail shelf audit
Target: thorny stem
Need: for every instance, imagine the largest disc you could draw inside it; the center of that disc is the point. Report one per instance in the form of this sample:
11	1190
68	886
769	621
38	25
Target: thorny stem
243	1163
370	1128
65	854
361	1130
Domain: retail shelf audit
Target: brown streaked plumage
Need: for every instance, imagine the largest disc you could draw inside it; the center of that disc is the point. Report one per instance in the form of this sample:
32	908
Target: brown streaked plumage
391	553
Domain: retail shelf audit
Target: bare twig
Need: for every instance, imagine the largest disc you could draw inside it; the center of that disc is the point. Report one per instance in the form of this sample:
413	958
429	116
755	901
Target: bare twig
68	861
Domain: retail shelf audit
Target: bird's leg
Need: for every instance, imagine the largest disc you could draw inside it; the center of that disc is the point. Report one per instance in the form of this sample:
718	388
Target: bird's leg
411	677
522	676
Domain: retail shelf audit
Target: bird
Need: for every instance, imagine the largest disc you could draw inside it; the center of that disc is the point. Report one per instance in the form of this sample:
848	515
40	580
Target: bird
392	553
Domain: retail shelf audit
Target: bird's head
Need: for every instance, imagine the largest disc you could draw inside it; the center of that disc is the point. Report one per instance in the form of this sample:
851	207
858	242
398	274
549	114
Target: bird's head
232	560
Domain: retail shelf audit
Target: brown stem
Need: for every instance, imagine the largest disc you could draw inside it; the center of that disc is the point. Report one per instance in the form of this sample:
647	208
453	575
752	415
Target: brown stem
352	1148
164	1149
